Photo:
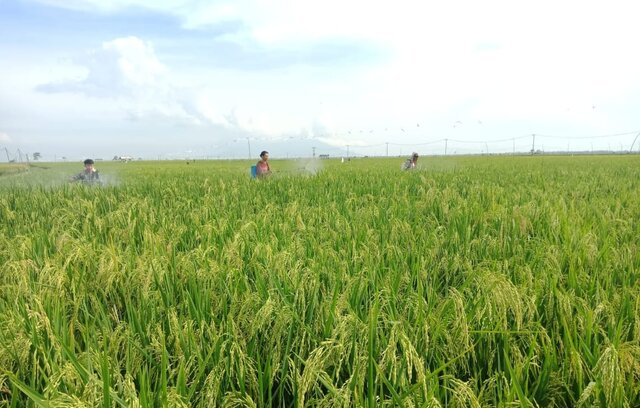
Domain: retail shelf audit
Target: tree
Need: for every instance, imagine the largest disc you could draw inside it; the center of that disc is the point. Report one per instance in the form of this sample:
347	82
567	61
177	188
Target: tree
37	156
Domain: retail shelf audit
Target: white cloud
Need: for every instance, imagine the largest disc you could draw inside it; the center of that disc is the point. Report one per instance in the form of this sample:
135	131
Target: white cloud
445	50
129	71
111	5
122	67
342	142
496	60
266	123
4	138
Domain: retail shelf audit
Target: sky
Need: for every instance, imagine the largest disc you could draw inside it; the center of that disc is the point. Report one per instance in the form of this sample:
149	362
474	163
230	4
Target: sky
194	78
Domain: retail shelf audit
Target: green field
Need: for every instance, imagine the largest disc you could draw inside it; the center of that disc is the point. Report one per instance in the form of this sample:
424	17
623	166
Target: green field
473	281
7	169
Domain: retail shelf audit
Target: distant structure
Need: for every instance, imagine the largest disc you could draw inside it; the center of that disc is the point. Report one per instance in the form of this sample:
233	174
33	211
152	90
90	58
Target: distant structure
18	157
122	158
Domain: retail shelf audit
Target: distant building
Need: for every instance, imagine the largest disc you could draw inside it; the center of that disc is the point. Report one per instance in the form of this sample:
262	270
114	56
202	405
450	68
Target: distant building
122	158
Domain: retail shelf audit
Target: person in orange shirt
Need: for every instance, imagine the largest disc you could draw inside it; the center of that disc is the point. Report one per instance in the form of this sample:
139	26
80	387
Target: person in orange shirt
262	167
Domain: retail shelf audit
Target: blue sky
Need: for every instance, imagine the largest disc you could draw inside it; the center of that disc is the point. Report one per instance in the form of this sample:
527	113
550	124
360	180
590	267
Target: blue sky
197	78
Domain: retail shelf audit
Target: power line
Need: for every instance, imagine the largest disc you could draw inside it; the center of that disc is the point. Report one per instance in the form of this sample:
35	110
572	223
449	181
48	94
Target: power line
418	144
462	141
352	145
490	141
634	141
590	137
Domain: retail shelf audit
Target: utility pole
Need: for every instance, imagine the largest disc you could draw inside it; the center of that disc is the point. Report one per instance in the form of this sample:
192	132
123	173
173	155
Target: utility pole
533	146
314	152
387	149
514	146
446	142
248	145
630	149
347	152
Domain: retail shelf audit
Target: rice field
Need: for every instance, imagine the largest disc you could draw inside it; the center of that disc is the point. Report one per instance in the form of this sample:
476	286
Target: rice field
470	282
12	168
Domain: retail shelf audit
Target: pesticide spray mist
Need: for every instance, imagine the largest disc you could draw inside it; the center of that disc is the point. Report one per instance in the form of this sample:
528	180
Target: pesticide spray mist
312	167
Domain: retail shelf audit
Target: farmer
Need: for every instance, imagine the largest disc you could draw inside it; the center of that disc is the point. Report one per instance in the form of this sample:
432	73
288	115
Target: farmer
89	175
262	167
411	162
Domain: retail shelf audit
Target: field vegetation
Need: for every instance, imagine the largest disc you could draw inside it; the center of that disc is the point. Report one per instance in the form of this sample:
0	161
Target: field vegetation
7	169
477	281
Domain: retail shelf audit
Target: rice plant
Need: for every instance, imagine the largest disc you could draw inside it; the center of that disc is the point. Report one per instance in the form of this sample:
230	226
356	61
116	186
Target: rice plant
477	281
